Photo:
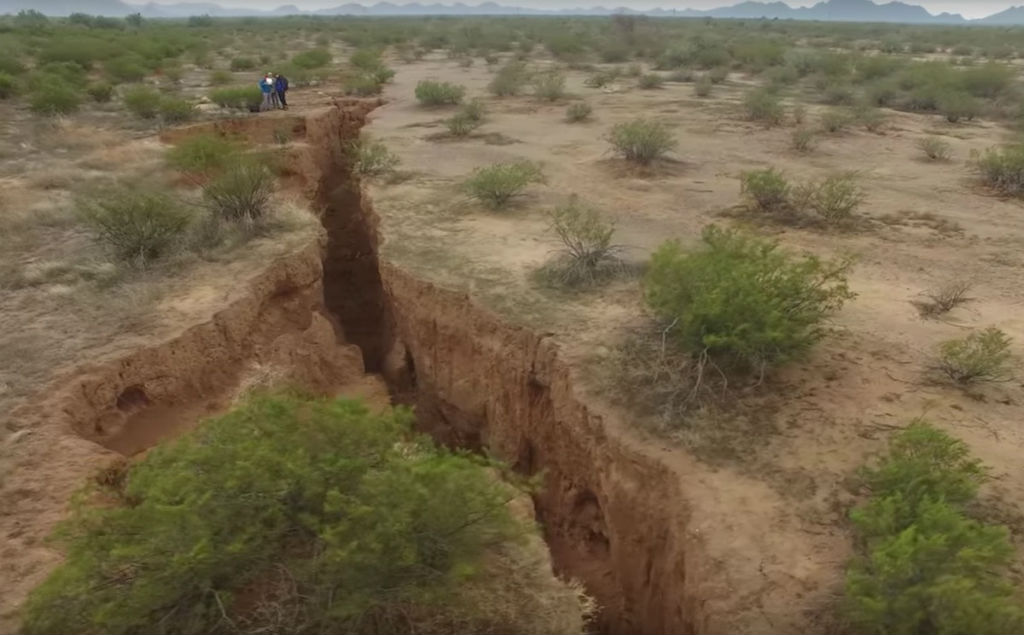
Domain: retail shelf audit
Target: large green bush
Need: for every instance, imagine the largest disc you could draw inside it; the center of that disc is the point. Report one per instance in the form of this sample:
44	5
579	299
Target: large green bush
126	68
137	224
289	515
55	98
433	93
313	58
1003	169
926	566
142	101
8	86
241	97
642	140
740	298
204	154
982	356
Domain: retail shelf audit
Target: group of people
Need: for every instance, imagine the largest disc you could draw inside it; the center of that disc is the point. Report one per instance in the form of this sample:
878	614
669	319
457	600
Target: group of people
275	89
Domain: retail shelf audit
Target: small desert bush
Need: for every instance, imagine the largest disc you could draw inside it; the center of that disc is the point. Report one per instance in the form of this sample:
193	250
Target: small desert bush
136	224
372	158
834	121
175	110
101	92
739	298
682	76
241	193
313	58
650	81
935	148
603	78
587	256
956	107
8	86
549	86
240	97
509	80
204	154
763	106
982	356
641	140
944	299
703	86
799	114
873	119
803	140
461	124
474	110
768	190
287	515
497	184
243	64
834	199
362	85
52	98
220	78
1003	169
126	69
578	111
634	70
142	101
432	93
718	74
926	566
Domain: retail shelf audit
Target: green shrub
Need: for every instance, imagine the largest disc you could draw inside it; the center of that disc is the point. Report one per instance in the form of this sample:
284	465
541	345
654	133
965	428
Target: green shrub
475	110
204	154
362	85
650	81
240	97
101	92
382	74
291	515
1003	169
834	121
549	86
641	140
587	256
803	140
988	81
127	68
372	158
461	124
603	78
799	114
8	86
366	59
243	64
634	70
956	107
509	80
136	223
935	148
980	357
767	189
220	78
578	111
926	567
718	75
834	199
242	193
740	298
839	95
873	119
175	110
10	64
764	107
314	58
142	101
52	98
431	93
497	184
702	87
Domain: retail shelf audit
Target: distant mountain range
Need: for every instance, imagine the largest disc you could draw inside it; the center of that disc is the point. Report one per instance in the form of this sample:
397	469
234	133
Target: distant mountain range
829	10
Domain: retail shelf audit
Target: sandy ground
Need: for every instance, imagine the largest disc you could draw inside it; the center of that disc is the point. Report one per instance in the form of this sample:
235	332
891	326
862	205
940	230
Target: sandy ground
774	508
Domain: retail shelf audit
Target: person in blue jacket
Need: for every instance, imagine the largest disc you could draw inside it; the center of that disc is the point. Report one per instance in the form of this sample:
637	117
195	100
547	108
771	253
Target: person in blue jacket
281	87
267	86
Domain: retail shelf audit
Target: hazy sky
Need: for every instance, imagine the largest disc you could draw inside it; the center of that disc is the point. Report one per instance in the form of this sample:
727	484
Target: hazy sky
969	8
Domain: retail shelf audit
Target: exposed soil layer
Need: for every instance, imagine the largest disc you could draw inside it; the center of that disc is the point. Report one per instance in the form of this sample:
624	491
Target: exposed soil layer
613	516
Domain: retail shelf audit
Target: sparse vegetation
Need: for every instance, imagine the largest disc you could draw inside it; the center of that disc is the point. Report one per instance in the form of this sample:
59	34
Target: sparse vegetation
497	184
142	101
834	121
803	140
240	97
588	256
944	298
925	565
703	86
763	106
935	149
52	98
204	154
834	199
314	499
461	124
982	356
433	93
101	92
740	299
767	189
509	80
241	193
137	224
549	86
313	58
1003	170
642	141
372	158
174	110
650	81
578	111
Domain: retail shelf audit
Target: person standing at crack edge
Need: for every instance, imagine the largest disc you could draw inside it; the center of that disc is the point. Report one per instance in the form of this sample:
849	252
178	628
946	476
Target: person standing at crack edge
267	87
281	87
